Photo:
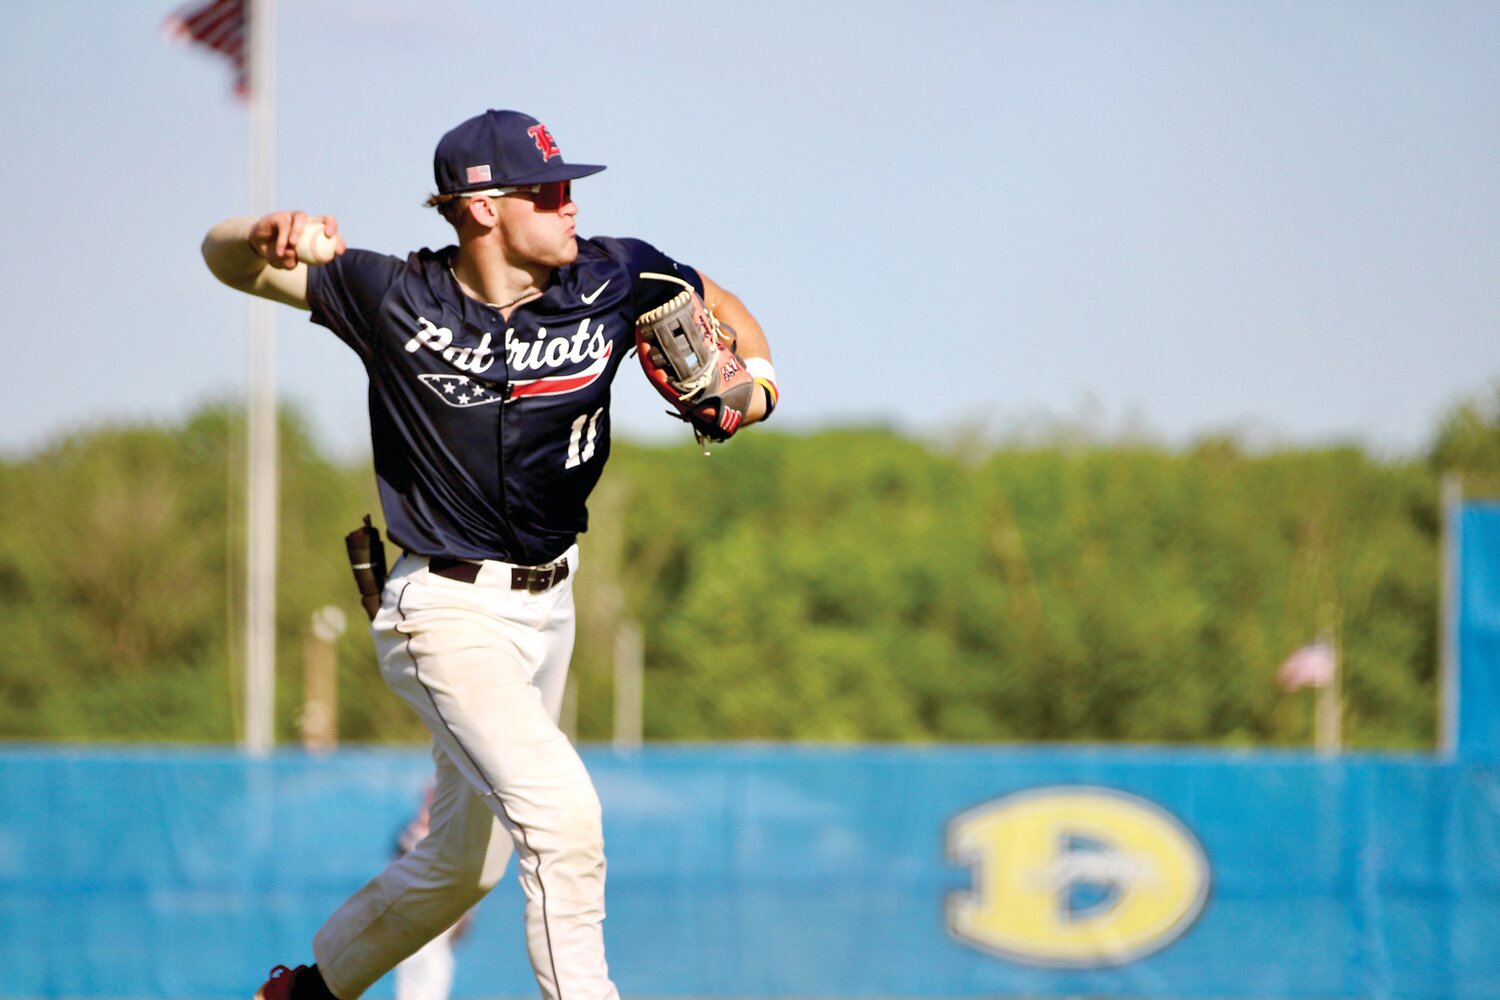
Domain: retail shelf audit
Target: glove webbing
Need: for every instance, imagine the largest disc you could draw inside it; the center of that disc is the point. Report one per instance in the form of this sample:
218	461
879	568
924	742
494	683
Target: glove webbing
731	339
684	336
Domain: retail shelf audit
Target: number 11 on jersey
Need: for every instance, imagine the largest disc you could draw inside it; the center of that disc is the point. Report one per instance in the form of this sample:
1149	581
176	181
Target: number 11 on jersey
581	438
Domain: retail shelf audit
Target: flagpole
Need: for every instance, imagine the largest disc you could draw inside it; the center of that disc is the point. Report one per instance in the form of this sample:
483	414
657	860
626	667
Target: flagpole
261	456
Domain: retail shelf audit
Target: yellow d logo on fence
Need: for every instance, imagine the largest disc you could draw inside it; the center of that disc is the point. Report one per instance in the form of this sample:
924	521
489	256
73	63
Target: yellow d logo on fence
1074	876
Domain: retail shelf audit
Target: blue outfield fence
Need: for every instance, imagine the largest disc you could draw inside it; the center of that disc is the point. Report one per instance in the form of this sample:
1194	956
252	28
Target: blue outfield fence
748	871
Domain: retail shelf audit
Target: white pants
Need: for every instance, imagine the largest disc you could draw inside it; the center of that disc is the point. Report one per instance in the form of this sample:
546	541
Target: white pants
484	666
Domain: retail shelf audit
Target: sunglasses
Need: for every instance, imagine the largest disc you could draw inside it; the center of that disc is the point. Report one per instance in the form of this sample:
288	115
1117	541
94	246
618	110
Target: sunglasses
548	197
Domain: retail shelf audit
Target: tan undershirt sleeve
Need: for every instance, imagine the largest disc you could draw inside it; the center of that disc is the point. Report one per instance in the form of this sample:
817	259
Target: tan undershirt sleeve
231	259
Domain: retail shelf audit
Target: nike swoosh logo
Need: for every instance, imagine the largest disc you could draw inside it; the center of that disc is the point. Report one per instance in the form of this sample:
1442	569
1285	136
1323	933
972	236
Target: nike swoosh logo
588	300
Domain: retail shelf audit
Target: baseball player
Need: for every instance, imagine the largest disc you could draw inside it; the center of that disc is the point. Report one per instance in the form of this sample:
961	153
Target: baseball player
489	369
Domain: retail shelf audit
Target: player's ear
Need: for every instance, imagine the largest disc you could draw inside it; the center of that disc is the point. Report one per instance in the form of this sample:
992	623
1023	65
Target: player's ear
482	211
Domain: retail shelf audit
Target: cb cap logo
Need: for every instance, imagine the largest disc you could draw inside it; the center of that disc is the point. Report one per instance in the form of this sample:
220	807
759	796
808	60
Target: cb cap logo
1075	877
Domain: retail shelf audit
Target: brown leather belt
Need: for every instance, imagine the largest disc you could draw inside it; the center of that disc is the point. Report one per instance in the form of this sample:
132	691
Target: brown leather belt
535	579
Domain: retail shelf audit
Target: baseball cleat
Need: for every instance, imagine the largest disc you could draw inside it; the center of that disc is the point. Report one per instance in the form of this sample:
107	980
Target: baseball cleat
279	985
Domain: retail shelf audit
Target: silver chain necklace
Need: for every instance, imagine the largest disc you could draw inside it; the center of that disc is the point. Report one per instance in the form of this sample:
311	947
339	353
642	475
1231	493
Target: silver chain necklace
496	305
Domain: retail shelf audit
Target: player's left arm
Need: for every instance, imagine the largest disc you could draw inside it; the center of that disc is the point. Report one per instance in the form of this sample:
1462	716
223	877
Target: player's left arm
750	345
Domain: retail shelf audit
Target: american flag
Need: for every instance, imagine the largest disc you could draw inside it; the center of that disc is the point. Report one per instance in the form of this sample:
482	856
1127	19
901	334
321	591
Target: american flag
220	25
1311	666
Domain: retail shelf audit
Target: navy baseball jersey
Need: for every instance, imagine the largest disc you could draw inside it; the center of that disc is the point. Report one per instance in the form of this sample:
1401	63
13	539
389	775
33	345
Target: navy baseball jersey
489	435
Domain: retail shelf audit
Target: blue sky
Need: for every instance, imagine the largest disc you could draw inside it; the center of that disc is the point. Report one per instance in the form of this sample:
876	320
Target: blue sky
1271	218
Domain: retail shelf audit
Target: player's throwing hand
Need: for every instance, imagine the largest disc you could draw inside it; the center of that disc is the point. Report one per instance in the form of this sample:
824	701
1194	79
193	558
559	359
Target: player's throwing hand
277	237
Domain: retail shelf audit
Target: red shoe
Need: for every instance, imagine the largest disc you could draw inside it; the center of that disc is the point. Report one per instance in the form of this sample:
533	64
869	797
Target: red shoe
279	986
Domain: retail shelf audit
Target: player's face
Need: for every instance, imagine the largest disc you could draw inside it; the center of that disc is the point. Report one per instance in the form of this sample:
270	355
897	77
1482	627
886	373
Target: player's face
538	227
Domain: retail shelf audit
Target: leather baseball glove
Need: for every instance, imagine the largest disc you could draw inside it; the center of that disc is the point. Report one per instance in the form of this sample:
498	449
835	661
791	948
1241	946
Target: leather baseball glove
689	357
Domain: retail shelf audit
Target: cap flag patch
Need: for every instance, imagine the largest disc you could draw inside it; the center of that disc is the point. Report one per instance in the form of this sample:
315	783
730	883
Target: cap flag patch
479	174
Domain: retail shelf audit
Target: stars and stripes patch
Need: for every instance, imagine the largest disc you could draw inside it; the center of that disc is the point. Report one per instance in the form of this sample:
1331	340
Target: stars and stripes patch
460	390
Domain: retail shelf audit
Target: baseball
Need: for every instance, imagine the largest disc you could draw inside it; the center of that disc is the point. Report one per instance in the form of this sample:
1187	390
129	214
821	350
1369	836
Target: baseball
314	246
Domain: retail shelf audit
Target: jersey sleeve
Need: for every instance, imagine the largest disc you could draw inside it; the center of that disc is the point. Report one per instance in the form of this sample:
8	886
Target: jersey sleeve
642	259
345	294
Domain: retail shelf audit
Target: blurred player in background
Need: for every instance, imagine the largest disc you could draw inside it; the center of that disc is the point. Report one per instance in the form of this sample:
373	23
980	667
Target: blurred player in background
428	974
489	366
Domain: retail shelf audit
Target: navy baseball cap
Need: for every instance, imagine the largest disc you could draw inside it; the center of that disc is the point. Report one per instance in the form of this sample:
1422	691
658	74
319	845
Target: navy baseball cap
501	149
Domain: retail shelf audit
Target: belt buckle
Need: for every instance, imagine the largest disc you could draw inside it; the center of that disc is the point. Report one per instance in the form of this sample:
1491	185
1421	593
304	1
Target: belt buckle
533	579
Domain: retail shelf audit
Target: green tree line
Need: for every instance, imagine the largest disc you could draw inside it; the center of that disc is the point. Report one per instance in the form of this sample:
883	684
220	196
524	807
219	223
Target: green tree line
848	584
